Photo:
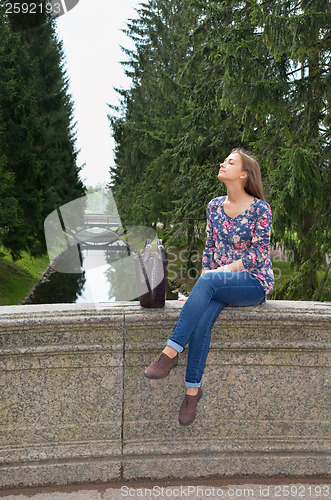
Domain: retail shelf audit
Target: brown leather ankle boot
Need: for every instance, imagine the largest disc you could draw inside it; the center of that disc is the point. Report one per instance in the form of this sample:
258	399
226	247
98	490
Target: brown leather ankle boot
161	366
189	405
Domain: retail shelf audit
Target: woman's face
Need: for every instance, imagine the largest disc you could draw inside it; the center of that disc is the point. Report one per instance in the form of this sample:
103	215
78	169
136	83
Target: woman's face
231	168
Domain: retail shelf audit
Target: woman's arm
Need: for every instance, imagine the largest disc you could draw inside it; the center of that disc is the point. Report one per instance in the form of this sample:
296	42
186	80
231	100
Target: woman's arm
235	266
258	252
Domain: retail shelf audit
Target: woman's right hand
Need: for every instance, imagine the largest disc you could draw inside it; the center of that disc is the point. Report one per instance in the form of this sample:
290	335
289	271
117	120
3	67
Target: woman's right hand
219	269
207	271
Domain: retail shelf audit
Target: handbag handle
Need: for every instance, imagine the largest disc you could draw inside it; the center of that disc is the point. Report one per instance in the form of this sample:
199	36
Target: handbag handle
141	261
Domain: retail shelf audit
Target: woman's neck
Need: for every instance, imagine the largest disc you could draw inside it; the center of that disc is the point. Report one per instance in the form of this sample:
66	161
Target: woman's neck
237	196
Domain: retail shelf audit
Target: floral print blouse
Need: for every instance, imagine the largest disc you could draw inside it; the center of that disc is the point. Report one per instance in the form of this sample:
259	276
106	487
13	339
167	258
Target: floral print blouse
246	237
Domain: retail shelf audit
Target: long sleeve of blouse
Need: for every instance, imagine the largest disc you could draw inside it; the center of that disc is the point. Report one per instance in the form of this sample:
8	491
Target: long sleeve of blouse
245	237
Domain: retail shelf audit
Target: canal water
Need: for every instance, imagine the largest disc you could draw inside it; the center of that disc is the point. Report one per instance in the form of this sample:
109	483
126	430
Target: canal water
101	278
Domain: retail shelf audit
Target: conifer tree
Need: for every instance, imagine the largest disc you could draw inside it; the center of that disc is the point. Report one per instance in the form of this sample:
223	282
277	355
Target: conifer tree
154	111
38	137
250	73
298	32
8	203
276	60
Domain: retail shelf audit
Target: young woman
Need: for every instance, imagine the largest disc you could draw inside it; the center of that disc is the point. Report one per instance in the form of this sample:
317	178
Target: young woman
236	271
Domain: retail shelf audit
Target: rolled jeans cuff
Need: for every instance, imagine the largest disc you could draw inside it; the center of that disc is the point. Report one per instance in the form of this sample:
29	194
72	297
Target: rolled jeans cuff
192	384
174	345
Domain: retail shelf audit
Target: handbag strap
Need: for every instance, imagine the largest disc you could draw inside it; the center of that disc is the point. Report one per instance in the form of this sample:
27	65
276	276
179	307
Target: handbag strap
161	252
141	260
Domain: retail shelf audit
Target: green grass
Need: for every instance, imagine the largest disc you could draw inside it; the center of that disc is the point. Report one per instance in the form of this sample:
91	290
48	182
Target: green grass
282	271
18	277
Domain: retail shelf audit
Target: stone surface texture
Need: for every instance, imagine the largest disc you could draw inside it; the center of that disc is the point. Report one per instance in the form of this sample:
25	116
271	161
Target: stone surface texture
80	495
75	406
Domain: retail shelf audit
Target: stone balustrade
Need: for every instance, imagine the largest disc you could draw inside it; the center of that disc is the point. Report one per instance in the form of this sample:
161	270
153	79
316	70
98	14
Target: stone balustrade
75	406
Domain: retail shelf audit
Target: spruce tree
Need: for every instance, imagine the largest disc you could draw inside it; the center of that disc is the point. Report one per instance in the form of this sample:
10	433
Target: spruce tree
298	32
153	111
8	202
276	58
38	138
242	73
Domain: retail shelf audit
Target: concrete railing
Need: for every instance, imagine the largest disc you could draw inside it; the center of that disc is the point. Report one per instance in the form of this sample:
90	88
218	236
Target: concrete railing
75	406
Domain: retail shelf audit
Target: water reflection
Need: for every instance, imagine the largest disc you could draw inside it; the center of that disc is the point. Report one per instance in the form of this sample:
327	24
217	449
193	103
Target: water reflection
59	288
107	279
100	280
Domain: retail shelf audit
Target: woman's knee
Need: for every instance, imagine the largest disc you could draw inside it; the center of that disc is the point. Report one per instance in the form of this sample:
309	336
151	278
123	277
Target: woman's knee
209	282
215	279
205	280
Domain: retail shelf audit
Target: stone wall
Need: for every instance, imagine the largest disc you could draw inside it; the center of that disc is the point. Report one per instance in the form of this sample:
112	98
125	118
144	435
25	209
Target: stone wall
75	406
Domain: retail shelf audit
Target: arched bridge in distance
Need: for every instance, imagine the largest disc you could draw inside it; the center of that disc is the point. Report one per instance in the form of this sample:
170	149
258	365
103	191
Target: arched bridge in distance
100	231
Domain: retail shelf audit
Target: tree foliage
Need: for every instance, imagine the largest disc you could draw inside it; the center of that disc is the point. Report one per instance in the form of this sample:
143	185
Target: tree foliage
208	76
37	139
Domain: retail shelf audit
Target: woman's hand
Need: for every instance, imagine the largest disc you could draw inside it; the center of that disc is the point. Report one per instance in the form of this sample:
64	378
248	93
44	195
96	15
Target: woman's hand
217	270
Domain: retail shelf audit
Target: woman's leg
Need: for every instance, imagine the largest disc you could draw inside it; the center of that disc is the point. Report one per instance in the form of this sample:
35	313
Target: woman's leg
198	346
208	299
193	309
223	287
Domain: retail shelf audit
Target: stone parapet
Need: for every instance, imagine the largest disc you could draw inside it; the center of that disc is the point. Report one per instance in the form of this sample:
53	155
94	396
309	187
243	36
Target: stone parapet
75	406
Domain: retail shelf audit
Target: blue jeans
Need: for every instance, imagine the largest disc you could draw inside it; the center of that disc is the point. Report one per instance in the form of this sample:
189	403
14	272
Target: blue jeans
211	293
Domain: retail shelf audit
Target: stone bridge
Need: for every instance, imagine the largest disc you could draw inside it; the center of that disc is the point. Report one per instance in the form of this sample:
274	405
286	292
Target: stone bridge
108	237
75	406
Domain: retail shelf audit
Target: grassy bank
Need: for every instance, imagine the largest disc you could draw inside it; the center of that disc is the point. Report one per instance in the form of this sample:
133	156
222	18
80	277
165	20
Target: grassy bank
17	278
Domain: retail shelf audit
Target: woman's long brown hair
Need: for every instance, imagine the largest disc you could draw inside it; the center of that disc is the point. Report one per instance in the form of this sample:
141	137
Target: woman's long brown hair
253	185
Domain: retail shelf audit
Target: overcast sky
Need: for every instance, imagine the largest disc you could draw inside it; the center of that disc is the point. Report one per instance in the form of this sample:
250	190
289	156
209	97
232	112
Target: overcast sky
91	36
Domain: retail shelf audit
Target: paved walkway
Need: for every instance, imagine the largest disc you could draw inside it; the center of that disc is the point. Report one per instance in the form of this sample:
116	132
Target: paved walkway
257	489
